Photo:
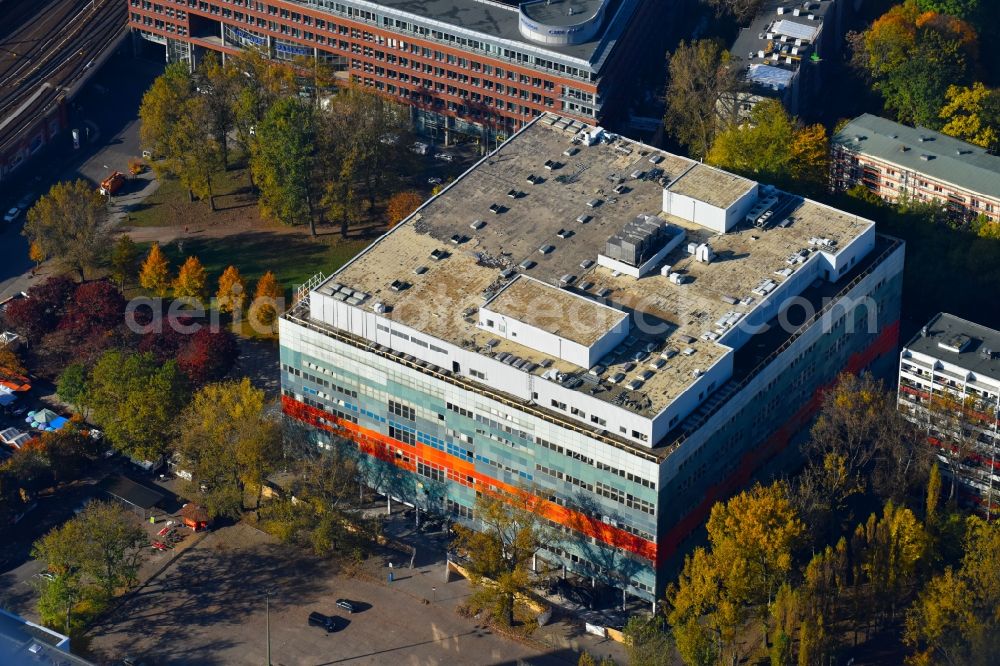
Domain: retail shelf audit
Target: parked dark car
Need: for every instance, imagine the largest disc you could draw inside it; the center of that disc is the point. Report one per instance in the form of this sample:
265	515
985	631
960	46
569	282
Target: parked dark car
324	621
346	605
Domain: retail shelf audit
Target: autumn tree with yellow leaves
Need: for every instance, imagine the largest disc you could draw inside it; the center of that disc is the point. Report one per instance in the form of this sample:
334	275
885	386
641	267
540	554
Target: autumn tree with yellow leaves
401	205
972	113
190	282
155	272
267	301
36	253
774	147
721	589
956	618
231	441
232	295
511	530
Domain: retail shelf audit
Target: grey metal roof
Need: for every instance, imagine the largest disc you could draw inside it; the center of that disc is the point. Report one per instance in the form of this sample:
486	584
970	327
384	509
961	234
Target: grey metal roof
127	490
941	157
557	13
945	328
497	20
26	644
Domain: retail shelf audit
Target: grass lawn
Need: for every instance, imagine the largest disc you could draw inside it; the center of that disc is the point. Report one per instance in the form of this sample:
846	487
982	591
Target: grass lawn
294	258
169	205
235	234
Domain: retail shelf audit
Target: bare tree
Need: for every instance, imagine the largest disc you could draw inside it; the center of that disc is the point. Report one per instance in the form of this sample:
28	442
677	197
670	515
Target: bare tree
701	94
741	10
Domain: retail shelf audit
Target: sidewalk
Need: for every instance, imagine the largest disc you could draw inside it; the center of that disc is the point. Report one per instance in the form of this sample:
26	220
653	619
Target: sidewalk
430	580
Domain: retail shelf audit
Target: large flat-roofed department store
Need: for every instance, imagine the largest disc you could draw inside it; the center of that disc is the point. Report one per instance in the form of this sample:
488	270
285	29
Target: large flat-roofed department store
474	67
594	318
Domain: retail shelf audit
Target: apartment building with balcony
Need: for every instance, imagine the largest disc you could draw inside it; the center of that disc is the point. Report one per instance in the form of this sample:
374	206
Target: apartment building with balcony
629	334
897	161
470	67
949	385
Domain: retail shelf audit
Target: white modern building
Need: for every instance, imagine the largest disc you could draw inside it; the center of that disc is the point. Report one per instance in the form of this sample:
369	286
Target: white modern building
628	334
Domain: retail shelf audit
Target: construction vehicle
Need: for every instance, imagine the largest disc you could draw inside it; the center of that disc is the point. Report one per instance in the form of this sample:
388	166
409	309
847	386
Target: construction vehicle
112	184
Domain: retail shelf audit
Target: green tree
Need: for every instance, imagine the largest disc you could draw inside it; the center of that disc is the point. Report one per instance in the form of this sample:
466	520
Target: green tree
124	259
967	10
90	556
113	547
702	94
162	107
57	599
230	440
136	401
912	57
648	641
283	160
61	554
263	83
195	154
67	224
511	530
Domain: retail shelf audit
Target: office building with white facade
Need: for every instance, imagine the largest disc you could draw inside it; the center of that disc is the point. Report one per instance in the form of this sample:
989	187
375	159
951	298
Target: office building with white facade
626	333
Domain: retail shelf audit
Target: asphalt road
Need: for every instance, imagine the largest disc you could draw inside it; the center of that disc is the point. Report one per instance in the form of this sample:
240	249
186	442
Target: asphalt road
106	113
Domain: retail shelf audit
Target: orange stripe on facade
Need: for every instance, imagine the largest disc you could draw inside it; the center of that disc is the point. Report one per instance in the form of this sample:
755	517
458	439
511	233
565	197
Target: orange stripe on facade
383	447
887	341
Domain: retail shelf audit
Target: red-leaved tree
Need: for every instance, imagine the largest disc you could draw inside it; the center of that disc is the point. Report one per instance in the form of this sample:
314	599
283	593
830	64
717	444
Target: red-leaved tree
54	293
96	308
30	318
208	355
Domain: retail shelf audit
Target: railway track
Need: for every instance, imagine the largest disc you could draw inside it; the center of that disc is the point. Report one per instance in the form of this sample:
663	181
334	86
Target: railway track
44	57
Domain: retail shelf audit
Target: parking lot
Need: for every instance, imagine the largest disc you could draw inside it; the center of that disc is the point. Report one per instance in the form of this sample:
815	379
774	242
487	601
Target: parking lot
208	607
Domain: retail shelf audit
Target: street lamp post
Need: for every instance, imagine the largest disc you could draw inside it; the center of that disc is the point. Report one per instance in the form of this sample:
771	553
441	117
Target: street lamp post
267	623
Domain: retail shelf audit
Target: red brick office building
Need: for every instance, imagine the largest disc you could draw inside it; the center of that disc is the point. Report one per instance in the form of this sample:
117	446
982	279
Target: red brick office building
475	67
